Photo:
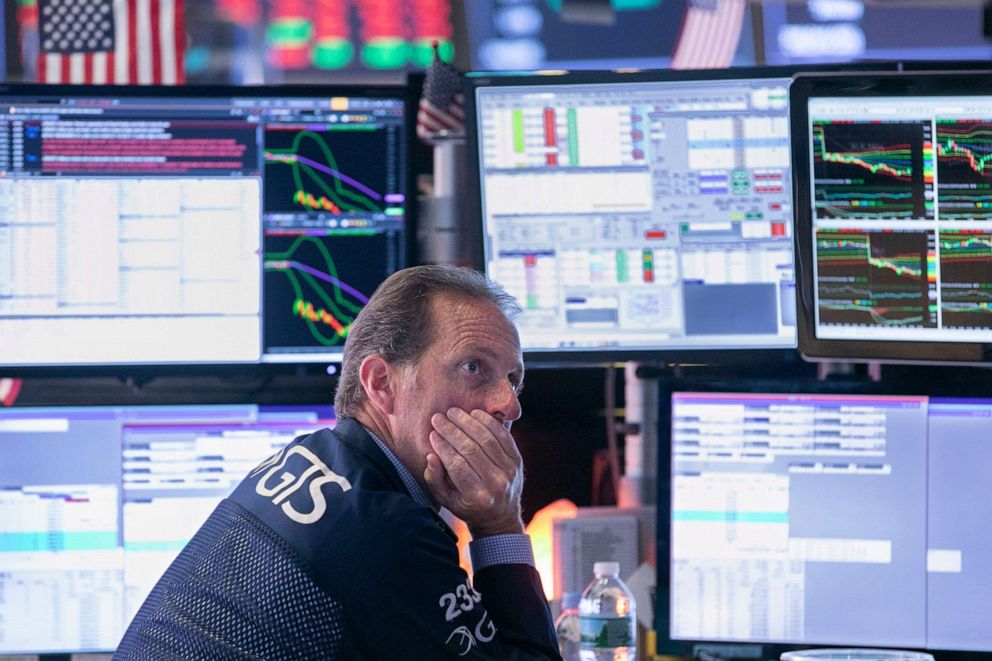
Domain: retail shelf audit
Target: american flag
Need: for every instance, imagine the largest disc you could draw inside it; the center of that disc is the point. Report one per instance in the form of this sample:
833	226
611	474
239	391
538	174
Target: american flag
111	41
441	104
709	35
9	389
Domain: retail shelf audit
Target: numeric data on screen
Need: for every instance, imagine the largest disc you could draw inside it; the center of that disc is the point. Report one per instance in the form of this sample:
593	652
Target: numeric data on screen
640	215
188	229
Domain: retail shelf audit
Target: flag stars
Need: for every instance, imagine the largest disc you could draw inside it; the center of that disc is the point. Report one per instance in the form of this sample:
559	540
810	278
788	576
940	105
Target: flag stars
77	25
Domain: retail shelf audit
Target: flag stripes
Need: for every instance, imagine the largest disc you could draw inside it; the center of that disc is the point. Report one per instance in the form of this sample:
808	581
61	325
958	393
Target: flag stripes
709	35
148	47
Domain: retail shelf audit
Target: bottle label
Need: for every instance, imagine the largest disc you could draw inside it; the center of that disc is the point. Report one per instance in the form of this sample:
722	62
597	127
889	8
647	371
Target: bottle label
602	631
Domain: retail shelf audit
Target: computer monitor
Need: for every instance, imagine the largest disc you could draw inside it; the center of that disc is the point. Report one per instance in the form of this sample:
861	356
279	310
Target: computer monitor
811	32
640	212
894	229
162	225
95	502
524	35
798	520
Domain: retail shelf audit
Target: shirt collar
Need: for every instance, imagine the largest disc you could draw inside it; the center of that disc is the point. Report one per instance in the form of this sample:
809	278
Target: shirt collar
416	492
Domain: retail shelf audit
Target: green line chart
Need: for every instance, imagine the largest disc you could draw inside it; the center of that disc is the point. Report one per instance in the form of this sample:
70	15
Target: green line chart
876	278
304	173
869	171
964	169
966	278
315	286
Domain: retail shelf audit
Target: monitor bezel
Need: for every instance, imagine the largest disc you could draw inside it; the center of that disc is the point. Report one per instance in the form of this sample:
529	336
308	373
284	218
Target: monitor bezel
300	364
740	355
922	82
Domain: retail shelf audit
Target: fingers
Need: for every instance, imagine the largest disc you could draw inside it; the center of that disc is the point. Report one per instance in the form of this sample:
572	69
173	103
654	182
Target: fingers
459	470
474	469
472	434
500	433
437	480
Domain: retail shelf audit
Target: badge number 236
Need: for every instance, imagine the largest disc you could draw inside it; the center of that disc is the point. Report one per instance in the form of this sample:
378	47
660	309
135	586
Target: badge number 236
462	600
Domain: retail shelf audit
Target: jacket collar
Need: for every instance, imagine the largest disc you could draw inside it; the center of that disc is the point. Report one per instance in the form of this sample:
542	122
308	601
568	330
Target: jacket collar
353	434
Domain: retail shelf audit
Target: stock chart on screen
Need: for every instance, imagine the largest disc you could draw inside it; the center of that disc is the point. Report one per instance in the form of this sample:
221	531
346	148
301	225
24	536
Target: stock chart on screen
220	225
902	217
333	228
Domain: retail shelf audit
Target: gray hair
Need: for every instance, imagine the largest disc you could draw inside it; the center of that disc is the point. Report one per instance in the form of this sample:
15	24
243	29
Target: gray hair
397	323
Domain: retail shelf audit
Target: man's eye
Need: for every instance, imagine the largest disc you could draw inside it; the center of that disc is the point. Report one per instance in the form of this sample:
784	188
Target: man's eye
472	367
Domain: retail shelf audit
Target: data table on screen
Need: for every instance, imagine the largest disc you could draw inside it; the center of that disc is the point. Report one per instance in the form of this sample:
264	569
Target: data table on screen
640	215
96	502
221	226
815	519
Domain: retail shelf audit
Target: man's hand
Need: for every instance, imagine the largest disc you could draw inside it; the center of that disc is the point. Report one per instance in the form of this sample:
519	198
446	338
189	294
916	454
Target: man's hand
476	471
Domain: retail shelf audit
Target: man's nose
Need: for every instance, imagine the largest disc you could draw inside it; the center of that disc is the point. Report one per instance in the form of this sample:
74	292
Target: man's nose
506	405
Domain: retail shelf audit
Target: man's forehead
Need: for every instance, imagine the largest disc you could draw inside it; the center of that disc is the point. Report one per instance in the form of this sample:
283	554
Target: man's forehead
451	308
462	322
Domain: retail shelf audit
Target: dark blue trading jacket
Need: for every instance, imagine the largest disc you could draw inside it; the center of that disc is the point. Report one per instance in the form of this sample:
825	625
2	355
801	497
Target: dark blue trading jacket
322	553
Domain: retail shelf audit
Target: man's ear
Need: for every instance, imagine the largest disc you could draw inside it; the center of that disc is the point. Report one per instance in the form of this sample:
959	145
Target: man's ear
378	379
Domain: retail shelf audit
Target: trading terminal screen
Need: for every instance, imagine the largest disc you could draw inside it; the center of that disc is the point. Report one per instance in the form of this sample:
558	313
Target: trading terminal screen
640	215
834	520
901	198
192	228
96	502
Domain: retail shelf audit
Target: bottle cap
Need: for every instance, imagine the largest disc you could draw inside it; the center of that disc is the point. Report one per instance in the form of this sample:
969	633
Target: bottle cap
606	569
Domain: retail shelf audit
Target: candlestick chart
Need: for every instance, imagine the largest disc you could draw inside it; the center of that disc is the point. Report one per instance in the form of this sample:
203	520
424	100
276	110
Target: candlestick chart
865	170
324	169
964	169
876	278
316	283
966	278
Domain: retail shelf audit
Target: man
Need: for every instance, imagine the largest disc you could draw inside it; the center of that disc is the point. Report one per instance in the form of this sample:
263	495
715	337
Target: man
334	547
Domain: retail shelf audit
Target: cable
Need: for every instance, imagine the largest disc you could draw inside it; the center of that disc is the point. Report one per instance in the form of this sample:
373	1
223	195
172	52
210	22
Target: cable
611	430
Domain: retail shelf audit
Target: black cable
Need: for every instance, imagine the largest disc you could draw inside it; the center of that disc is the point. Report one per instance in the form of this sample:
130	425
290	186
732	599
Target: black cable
611	430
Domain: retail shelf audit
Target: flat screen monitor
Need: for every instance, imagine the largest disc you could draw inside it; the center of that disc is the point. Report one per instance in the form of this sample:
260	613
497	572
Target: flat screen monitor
632	213
96	502
523	35
159	225
799	520
894	216
824	31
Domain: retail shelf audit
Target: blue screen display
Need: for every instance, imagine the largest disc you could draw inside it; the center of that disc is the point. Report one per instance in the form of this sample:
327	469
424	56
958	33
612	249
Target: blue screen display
95	502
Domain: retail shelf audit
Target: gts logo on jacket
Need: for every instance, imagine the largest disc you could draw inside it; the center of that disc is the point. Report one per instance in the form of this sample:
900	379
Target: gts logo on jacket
316	472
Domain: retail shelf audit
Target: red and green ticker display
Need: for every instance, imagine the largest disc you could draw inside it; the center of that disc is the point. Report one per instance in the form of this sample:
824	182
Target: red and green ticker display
376	34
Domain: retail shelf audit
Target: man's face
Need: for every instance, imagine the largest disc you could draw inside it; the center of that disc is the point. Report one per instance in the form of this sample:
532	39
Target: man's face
474	362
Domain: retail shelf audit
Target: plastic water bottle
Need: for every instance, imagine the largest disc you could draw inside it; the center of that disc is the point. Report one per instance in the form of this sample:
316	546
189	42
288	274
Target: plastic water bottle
567	626
607	617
